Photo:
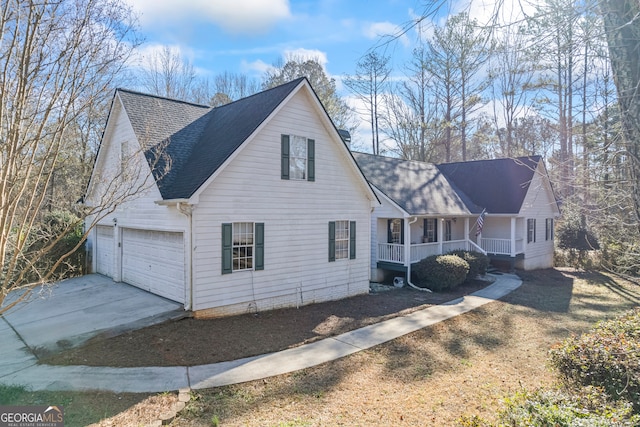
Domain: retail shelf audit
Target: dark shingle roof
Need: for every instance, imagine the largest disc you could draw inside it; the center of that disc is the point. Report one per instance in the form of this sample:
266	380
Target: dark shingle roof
198	139
499	185
418	188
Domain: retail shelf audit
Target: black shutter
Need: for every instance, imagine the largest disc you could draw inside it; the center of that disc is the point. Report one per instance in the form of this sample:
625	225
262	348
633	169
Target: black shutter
352	240
259	261
311	160
284	163
227	248
332	241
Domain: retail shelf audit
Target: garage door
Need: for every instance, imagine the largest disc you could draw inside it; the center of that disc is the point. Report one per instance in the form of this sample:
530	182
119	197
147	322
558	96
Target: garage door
104	250
154	261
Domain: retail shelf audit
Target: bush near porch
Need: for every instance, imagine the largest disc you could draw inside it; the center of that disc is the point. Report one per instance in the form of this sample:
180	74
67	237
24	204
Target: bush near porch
440	272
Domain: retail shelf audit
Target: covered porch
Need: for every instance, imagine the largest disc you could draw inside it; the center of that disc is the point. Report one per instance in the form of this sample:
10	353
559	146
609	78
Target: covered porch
500	238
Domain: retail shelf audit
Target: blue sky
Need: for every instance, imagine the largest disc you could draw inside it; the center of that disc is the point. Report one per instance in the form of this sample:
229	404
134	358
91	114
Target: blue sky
249	35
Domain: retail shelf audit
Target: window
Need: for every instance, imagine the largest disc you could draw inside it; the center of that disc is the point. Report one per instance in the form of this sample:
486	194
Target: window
396	231
447	230
531	230
342	240
242	246
297	158
430	231
548	234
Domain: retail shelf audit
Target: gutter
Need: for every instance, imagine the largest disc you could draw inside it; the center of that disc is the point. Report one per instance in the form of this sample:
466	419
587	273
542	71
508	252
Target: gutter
409	264
187	210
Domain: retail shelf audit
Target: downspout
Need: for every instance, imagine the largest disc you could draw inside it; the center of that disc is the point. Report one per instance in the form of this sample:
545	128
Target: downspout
409	263
187	210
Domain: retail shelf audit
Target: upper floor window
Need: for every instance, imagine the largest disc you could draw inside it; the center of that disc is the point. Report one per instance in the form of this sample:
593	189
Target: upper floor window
297	158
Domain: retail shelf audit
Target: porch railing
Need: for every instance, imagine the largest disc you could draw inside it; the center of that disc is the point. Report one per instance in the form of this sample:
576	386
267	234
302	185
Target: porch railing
501	246
394	252
391	252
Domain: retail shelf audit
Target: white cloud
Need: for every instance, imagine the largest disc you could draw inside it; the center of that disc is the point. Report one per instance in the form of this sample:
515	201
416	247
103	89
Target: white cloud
376	30
306	54
255	67
239	17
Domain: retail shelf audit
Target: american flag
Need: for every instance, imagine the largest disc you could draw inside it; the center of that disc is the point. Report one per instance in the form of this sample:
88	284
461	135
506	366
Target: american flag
480	222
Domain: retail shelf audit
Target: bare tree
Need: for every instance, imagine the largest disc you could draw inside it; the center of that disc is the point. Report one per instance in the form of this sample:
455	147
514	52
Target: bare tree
512	74
168	74
622	26
410	116
57	58
369	84
230	87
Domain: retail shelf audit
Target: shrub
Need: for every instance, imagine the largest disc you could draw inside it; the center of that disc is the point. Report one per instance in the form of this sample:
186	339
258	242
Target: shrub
440	272
478	262
571	234
607	356
590	407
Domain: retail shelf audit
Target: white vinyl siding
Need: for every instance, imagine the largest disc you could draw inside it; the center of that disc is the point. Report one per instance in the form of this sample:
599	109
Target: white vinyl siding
295	221
538	205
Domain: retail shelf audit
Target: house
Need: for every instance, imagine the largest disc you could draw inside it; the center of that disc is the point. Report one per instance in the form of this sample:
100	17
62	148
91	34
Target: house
250	206
505	208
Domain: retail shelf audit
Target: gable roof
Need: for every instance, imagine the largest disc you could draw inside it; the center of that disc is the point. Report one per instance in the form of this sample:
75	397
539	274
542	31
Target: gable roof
198	139
463	188
419	188
498	185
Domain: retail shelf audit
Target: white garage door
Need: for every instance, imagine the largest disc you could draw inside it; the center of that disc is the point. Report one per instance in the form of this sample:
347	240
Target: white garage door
104	250
154	261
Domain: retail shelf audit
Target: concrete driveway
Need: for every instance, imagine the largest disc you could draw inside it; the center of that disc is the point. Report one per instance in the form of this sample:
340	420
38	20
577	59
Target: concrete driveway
66	314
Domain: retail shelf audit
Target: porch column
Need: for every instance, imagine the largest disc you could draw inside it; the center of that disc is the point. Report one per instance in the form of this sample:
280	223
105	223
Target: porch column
466	230
440	235
513	237
407	242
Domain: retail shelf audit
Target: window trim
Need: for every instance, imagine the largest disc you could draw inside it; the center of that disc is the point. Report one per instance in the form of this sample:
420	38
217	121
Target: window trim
531	230
447	230
351	241
391	231
429	234
228	245
549	234
285	159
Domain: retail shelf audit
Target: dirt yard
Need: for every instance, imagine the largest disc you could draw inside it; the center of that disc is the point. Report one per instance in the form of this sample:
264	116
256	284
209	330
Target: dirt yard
464	366
190	342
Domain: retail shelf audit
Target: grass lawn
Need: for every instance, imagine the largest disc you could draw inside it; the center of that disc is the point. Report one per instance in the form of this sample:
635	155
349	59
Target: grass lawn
463	366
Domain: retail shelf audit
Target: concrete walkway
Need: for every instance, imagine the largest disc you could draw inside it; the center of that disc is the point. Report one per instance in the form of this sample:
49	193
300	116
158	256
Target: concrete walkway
18	367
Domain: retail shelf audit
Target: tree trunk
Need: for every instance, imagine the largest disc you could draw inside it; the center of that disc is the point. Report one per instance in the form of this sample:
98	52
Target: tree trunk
622	26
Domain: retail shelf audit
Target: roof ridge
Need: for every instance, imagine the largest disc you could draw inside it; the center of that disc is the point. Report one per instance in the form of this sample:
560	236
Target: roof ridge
534	156
262	92
164	98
